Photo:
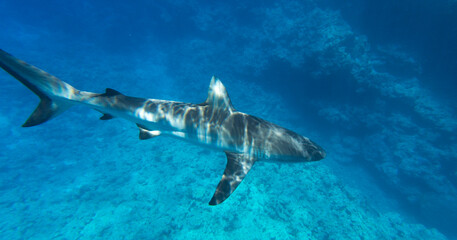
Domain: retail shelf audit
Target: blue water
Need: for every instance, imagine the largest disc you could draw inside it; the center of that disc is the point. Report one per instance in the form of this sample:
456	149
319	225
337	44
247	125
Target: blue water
373	82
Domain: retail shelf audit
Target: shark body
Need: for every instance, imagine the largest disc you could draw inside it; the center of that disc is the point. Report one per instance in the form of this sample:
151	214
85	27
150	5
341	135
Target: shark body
214	123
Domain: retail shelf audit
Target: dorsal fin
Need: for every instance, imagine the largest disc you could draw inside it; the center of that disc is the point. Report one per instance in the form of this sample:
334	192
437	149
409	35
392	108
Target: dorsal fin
111	92
106	116
218	97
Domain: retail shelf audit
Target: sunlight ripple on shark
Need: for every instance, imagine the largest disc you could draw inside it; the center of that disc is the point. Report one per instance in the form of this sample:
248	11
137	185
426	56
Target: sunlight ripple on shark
213	123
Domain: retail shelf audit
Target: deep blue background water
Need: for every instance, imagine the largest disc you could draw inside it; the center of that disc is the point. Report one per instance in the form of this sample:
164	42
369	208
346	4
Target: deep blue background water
373	82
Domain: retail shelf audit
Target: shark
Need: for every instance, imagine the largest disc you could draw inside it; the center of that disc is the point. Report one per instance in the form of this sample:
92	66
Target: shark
214	123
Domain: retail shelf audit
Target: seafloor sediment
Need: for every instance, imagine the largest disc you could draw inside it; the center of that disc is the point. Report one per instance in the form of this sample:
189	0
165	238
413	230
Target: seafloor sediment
389	173
78	177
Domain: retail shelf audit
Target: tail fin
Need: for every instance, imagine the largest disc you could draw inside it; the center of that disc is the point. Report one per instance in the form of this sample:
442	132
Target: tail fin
55	94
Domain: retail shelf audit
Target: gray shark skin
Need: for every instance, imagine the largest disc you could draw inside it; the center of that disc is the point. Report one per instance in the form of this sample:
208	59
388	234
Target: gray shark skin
214	123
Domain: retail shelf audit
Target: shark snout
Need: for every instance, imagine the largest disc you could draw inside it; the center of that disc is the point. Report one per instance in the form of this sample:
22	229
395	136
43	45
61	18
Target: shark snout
317	153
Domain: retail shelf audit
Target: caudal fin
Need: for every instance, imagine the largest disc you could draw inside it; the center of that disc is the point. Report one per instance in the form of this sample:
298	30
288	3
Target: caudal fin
55	94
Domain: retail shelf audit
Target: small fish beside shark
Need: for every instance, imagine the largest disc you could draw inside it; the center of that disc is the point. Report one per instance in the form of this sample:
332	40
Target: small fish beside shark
215	123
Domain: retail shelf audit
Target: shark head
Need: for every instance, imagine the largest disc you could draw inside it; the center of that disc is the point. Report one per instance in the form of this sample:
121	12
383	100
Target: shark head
314	151
284	145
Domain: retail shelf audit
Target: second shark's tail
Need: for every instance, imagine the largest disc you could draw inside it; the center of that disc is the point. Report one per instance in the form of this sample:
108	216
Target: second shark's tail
56	95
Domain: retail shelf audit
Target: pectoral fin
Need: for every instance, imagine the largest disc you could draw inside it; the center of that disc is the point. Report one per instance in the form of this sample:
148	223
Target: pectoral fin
238	165
146	133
